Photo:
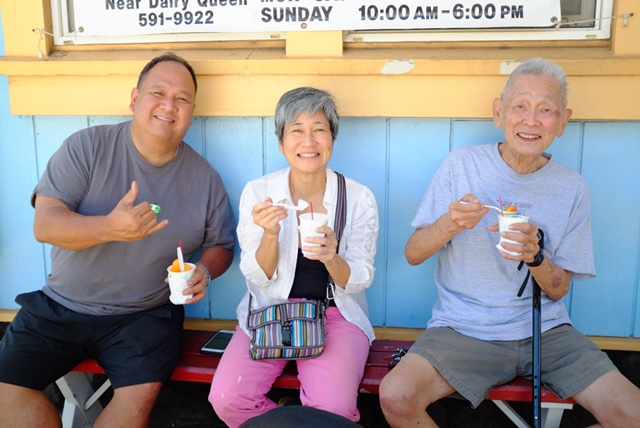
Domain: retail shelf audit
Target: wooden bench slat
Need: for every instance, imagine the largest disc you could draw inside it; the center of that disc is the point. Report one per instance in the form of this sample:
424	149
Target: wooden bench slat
519	389
193	374
89	366
194	366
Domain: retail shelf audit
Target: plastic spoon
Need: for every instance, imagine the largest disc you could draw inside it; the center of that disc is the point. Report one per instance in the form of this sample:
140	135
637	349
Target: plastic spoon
487	206
180	259
301	205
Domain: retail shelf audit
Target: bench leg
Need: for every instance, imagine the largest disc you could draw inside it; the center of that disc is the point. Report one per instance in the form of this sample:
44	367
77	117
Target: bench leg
551	414
81	405
511	414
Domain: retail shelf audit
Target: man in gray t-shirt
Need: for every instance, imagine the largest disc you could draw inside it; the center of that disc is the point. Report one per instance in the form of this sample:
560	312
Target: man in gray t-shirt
480	333
106	297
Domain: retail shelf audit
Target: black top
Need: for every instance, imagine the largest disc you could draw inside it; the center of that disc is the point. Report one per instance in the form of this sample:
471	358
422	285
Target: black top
310	280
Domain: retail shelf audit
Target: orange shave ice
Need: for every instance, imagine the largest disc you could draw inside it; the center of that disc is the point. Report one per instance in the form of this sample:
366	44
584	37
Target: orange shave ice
175	267
511	209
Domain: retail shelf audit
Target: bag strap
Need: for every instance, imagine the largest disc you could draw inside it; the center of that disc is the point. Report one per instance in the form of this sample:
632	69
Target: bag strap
340	221
341	210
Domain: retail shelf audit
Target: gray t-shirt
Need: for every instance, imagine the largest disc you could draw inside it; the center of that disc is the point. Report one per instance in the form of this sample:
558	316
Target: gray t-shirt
90	174
477	287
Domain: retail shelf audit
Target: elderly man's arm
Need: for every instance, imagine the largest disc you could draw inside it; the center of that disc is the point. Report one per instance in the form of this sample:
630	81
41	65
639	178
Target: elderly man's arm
427	241
552	279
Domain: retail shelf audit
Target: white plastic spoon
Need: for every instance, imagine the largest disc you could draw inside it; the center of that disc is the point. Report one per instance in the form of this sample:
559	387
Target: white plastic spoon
180	259
301	205
487	206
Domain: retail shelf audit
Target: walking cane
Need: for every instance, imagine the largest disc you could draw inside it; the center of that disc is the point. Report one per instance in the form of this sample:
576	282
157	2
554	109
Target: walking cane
537	333
536	337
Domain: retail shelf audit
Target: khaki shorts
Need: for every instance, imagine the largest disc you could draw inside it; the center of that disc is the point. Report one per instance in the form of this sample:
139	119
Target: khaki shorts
570	361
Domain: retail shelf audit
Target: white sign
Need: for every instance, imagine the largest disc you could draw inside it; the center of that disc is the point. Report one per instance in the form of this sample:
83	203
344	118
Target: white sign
137	17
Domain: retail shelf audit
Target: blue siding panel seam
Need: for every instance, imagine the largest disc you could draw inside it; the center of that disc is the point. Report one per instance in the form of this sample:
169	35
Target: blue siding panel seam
264	145
387	197
634	314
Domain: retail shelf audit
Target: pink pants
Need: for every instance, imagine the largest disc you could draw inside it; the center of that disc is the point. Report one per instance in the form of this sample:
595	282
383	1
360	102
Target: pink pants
329	382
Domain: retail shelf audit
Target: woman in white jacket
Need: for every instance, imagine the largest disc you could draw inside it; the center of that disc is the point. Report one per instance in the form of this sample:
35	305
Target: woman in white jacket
276	270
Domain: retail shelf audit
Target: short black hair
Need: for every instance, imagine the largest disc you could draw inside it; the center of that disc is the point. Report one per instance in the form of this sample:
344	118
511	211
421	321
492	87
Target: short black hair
169	56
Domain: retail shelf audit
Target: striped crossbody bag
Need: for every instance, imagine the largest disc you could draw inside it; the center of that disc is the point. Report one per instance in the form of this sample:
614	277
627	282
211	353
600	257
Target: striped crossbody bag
295	330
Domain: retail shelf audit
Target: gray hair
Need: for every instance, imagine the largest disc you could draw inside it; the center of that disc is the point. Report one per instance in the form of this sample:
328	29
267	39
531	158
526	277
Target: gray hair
539	67
305	100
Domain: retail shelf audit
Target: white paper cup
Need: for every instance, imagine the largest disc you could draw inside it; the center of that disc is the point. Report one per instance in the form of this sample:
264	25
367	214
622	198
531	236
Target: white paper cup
504	222
308	228
178	282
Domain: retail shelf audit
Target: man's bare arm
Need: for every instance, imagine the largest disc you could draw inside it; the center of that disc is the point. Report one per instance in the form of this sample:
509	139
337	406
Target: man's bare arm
57	225
216	260
426	242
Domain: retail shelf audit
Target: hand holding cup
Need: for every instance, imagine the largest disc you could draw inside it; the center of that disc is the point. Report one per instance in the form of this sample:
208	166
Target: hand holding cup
504	221
309	222
178	282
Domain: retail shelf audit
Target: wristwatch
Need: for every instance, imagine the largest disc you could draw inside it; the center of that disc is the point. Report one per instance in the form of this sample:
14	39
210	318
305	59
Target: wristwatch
539	258
206	272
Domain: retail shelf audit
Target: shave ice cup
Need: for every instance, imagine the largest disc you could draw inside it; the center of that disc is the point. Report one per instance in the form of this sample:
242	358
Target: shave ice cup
308	226
178	282
504	221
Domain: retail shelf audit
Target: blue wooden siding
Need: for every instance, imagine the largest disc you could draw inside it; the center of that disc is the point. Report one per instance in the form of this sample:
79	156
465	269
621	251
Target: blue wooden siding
396	158
610	303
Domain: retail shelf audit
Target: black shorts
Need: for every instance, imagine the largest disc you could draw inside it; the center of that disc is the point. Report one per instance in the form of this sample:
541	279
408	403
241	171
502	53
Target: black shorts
46	340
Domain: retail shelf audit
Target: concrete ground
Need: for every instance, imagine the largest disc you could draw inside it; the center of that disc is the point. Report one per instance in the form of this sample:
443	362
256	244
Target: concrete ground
185	405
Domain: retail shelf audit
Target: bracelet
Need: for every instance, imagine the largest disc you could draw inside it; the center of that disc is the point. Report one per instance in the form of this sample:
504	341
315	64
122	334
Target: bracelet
206	272
539	258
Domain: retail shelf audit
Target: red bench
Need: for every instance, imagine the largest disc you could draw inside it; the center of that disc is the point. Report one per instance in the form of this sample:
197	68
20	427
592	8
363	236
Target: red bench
81	406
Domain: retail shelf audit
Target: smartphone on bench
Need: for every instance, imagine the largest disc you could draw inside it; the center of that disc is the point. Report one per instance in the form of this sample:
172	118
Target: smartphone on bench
218	343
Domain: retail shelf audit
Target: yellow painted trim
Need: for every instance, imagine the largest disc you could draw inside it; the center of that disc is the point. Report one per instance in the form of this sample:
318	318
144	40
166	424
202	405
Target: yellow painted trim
456	80
7	315
412	334
20	18
386	333
210	325
626	38
314	44
397	333
617	343
608	98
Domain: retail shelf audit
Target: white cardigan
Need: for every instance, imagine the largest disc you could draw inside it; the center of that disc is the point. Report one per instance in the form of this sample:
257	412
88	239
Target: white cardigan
357	247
